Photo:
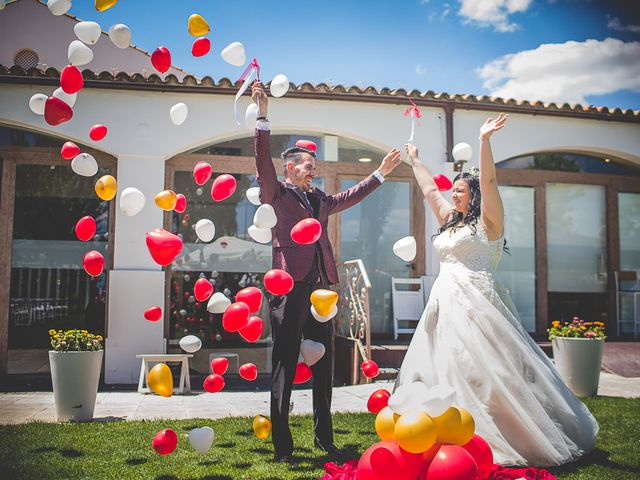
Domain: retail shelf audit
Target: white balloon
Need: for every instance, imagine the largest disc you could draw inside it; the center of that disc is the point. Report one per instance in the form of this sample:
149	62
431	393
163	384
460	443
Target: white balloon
78	53
311	351
253	195
408	397
218	303
68	98
205	230
234	54
120	35
84	164
325	318
59	7
250	116
190	343
260	235
132	201
438	400
462	151
36	103
178	113
201	439
279	85
265	217
88	32
405	248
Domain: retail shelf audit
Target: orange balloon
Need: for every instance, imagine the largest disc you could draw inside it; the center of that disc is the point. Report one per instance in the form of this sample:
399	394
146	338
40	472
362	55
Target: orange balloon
385	423
102	5
106	187
166	200
455	426
160	380
415	432
261	427
324	301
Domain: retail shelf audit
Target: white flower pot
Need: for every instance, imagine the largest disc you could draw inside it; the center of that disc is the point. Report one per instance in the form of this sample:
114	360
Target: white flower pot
578	360
75	377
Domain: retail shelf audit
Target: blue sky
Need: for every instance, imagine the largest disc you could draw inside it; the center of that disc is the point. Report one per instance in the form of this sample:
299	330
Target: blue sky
578	51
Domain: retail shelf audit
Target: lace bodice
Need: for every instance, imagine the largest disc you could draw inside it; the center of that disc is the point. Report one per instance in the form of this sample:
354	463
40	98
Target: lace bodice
468	249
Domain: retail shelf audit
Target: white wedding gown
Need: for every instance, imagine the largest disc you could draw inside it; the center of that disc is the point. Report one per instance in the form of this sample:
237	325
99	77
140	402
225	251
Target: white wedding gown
469	337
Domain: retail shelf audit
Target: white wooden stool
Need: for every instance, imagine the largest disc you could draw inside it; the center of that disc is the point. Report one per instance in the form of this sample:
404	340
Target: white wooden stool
185	382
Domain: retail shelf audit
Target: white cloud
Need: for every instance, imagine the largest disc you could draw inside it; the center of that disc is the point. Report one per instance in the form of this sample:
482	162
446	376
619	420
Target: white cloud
421	69
565	72
494	13
614	23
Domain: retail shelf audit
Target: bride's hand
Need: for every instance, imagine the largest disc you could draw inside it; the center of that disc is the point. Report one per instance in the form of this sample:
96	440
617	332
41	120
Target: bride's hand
412	153
492	125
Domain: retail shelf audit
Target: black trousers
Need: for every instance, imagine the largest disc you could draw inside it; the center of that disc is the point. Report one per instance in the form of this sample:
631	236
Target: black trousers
290	320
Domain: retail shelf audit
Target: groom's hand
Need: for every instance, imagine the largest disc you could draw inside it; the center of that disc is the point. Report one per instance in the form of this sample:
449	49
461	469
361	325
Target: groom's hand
389	162
258	96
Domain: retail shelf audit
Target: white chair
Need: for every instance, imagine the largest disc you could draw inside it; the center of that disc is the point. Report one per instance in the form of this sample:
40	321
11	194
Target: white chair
628	291
408	303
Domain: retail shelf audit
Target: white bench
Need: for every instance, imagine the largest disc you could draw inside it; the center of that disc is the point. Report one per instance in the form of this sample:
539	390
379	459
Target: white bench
184	385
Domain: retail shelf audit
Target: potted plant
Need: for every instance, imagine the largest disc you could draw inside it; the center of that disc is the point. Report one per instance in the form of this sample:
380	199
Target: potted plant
577	352
76	360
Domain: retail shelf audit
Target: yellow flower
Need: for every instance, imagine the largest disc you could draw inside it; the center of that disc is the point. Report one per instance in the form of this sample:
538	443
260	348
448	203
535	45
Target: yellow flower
52	332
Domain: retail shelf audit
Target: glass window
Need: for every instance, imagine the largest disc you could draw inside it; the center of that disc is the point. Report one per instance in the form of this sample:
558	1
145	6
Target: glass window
25	138
629	224
571	162
352	151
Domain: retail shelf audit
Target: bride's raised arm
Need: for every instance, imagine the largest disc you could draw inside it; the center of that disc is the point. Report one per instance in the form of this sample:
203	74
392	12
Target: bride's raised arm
491	208
439	205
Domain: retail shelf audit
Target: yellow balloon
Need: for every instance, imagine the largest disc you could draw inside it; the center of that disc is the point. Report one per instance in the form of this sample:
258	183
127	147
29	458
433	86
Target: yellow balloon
106	187
166	200
160	380
102	5
198	26
324	301
455	426
415	432
385	423
262	427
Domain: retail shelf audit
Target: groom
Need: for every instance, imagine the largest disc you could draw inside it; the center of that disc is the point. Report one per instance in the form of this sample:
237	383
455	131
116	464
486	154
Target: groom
311	266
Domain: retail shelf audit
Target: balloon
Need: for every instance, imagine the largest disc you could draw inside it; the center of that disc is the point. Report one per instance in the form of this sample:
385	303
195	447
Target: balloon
253	195
178	113
98	132
308	144
68	98
455	426
386	460
213	383
165	441
223	187
200	47
190	343
205	230
279	85
248	371
201	439
260	235
181	203
442	182
415	432
311	351
131	201
102	5
408	397
71	80
37	102
252	331
251	116
324	318
438	400
59	7
85	228
219	365
303	373
202	172
278	282
452	463
120	35
202	289
78	53
166	200
160	380
378	400
153	314
69	150
324	300
370	369
405	248
88	32
163	246
480	450
462	152
198	26
218	303
234	54
161	59
306	231
265	217
385	423
84	164
56	111
252	296
262	427
235	317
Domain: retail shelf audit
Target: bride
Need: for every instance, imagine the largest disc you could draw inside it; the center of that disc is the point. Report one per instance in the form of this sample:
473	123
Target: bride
470	337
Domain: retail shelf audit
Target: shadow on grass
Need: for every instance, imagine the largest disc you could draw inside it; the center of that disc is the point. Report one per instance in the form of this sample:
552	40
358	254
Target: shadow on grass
597	457
341	431
65	452
108	419
216	477
135	461
244	433
262	451
44	450
243	464
166	477
226	445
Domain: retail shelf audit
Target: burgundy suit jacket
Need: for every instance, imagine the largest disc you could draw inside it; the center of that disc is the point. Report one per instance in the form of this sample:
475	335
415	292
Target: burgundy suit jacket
290	208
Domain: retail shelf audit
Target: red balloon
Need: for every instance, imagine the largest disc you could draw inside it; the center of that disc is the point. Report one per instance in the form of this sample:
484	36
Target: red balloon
442	182
71	79
69	150
303	373
452	462
252	296
308	144
161	59
202	289
248	371
252	330
93	263
235	317
165	441
378	400
202	172
85	228
163	246
200	47
213	383
223	187
480	450
370	369
153	314
98	132
181	203
56	111
278	282
219	365
306	231
386	460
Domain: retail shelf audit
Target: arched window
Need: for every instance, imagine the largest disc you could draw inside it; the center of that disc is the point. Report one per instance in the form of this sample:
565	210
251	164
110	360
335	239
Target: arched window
571	162
26	58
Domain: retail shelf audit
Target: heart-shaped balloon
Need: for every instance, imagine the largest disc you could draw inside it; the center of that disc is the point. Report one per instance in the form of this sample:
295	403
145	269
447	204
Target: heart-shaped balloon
71	80
202	172
84	164
160	380
252	296
261	427
253	195
323	318
132	201
260	235
166	200
279	85
37	103
97	132
161	59
223	187
234	54
190	343
202	289
251	116
370	369
219	365
69	150
120	35
181	203
88	32
306	231
106	187
153	314
163	246
311	351
248	371
56	111
442	182
252	330
79	54
178	113
438	400
165	441
303	373
278	282
93	263
59	7
200	47
324	300
218	303
198	26
85	228
68	98
102	5
265	216
406	248
205	230
201	439
408	397
378	400
235	317
213	383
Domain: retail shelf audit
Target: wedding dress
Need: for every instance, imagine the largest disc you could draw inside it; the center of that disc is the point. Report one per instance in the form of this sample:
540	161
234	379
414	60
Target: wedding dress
470	338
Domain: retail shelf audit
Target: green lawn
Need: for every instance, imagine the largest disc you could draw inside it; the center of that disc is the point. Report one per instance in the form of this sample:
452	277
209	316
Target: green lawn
122	450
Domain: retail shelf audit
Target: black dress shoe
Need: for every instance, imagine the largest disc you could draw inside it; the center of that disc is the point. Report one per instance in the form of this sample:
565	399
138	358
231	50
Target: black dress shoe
333	452
288	459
